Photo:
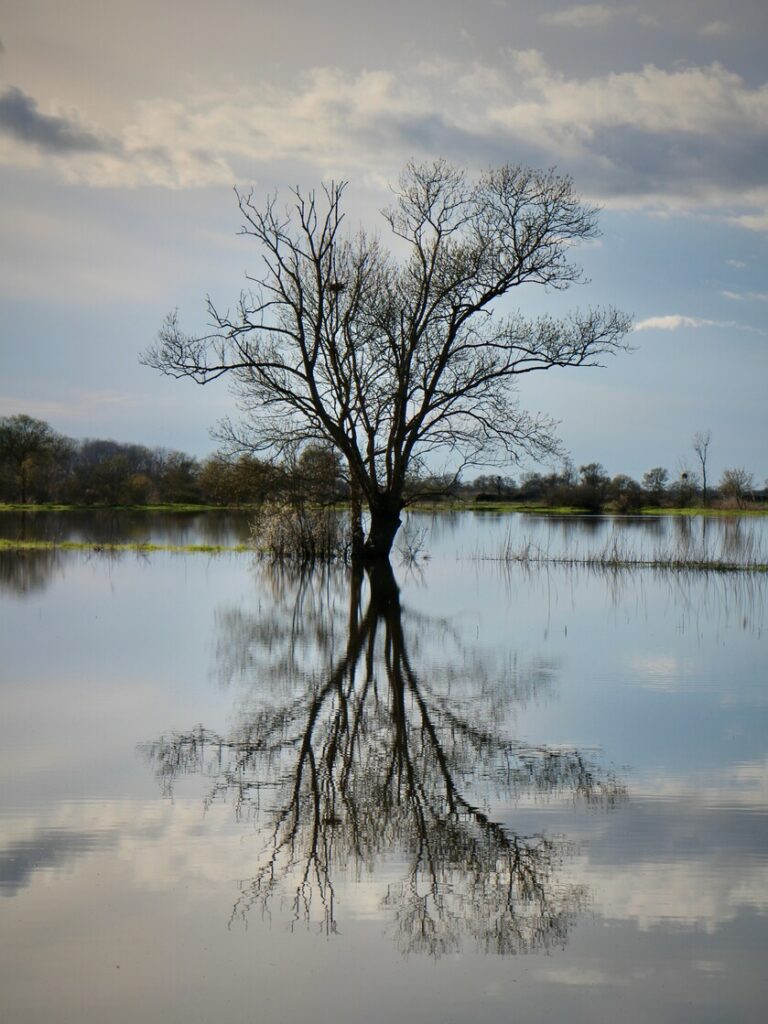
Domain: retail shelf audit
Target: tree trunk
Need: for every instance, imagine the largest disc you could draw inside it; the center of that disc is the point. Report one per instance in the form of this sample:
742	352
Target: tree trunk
356	524
23	473
385	522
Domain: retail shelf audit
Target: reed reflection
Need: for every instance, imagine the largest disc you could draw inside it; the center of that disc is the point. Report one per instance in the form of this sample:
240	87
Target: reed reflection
382	742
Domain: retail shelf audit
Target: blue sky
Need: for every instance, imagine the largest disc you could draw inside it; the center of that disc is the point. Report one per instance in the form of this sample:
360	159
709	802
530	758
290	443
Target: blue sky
124	127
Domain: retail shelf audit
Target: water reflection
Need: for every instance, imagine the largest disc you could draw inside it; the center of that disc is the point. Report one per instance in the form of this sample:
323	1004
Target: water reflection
374	737
121	526
24	572
48	848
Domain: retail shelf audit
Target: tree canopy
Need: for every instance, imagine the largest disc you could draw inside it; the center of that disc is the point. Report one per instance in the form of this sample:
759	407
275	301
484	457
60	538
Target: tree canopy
26	445
393	361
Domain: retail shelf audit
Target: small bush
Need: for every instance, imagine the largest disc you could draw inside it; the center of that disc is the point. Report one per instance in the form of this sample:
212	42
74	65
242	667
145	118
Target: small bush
299	532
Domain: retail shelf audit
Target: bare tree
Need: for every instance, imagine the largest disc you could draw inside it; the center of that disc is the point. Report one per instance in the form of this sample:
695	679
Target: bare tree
393	362
655	482
736	484
700	445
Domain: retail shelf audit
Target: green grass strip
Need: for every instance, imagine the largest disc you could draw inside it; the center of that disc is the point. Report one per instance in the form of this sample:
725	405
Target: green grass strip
53	507
9	544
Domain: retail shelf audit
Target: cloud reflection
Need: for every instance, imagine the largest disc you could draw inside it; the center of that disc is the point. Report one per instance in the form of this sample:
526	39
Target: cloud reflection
48	848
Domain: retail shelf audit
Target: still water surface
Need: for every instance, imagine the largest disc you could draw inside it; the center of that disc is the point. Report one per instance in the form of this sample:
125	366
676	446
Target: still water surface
462	792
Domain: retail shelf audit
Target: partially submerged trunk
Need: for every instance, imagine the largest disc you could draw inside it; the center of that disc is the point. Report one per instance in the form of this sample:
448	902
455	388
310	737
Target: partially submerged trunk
356	522
383	527
385	593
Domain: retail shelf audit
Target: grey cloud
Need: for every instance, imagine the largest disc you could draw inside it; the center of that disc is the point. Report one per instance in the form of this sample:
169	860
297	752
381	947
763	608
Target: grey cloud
113	160
432	134
619	162
429	134
681	163
21	119
588	16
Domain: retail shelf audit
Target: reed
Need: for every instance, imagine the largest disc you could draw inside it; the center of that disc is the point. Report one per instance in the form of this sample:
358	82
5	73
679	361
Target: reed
616	553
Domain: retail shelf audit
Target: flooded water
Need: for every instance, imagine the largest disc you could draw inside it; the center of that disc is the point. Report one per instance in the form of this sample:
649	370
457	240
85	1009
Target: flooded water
467	790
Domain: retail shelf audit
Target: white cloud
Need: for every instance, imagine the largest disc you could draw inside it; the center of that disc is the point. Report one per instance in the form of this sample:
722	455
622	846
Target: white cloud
75	407
745	296
696	100
716	28
751	221
736	264
672	322
676	321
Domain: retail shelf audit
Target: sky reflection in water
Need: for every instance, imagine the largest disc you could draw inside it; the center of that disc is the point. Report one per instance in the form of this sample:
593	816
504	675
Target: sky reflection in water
562	763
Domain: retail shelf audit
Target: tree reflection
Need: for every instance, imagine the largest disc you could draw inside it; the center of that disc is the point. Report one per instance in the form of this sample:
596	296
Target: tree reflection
27	571
365	750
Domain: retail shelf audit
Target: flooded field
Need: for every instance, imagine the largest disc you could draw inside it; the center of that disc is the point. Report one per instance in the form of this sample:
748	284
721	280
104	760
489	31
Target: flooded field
475	788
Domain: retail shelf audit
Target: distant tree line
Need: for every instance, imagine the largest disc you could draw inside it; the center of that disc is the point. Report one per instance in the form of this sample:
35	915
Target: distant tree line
37	465
592	489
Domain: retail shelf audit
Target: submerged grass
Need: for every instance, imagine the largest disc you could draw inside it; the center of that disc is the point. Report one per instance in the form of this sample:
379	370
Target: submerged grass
165	507
542	509
139	546
615	554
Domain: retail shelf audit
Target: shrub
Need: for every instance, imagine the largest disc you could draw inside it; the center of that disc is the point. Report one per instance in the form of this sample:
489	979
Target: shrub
297	531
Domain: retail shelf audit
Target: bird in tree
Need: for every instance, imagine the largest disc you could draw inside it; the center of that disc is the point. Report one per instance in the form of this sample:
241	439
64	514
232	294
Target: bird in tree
394	361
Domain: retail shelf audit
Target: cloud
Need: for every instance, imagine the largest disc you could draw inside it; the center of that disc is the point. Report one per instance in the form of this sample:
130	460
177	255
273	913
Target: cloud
593	16
745	296
675	321
716	28
751	221
21	119
736	264
74	408
672	322
688	139
582	16
84	155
